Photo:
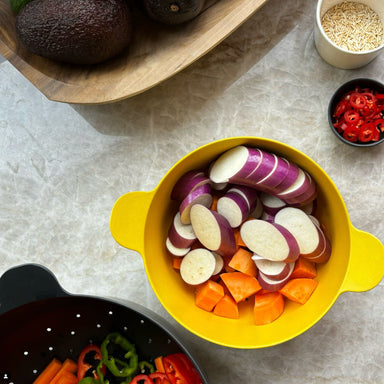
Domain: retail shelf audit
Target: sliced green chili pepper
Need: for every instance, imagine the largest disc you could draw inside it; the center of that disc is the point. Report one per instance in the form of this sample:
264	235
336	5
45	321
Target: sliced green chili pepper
145	367
118	366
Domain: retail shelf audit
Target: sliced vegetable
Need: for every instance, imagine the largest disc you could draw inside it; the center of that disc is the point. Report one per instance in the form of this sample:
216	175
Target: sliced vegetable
227	307
249	194
271	203
234	208
235	164
276	175
181	235
175	251
180	370
304	268
188	183
268	307
275	270
242	261
66	373
272	284
240	285
219	263
299	290
49	372
308	236
201	195
357	116
208	294
213	230
119	367
197	266
270	240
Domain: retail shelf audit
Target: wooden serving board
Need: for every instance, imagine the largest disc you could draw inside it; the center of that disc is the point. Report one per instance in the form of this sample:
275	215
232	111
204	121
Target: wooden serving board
156	53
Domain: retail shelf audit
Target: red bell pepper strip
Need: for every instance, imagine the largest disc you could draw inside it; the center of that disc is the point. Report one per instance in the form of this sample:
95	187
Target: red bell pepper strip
180	369
141	379
89	359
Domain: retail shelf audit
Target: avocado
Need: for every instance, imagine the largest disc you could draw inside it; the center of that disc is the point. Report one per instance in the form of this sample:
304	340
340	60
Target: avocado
75	31
172	11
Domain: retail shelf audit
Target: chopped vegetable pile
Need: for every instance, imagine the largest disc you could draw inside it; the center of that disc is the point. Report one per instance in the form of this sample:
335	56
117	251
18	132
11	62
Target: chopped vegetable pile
116	361
246	228
358	116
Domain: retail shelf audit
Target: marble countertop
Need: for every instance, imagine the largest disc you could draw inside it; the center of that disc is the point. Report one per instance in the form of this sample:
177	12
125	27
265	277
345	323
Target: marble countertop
63	166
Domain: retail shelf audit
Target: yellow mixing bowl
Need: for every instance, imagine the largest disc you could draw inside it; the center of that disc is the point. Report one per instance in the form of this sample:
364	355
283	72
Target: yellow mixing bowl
140	221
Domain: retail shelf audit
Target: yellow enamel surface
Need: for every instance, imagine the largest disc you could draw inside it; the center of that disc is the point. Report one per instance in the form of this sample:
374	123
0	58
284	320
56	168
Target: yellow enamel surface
140	221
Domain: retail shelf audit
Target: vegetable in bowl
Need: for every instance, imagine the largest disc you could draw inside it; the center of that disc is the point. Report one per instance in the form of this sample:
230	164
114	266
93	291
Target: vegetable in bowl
356	113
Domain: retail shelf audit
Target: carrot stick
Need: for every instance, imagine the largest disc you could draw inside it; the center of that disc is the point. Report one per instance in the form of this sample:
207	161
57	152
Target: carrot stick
299	290
68	366
304	268
49	372
208	294
159	364
268	307
67	377
240	285
226	307
176	261
242	262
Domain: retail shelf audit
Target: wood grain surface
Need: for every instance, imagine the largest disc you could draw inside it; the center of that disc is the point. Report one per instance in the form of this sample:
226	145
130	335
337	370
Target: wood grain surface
156	53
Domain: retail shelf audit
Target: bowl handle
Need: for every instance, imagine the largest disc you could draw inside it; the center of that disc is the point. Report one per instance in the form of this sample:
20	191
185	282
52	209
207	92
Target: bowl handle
366	266
128	217
27	283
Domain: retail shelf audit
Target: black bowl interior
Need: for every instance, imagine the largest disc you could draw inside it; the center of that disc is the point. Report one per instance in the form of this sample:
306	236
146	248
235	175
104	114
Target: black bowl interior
346	87
32	334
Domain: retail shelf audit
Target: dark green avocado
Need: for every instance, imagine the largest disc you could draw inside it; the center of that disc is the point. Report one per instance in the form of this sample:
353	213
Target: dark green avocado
172	11
75	31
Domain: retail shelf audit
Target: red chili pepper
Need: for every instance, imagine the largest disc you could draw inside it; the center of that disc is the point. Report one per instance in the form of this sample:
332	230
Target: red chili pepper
180	369
88	361
359	115
351	133
351	116
357	100
379	124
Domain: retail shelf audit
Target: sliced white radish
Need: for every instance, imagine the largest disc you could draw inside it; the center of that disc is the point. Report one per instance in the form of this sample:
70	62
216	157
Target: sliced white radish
249	194
236	163
175	251
213	230
275	270
272	284
306	232
271	204
278	173
189	181
181	235
234	208
197	266
201	195
219	263
269	240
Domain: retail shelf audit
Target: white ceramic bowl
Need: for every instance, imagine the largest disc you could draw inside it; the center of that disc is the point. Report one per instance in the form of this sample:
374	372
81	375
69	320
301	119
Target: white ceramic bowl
334	55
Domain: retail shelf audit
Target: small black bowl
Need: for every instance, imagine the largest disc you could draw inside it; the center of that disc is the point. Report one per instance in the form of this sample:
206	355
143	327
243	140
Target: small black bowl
346	87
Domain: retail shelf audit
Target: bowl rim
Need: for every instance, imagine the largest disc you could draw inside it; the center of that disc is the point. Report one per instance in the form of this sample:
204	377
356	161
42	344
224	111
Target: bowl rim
337	94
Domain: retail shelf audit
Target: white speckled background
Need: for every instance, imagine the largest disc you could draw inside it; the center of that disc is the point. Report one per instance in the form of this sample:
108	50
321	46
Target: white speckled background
63	166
